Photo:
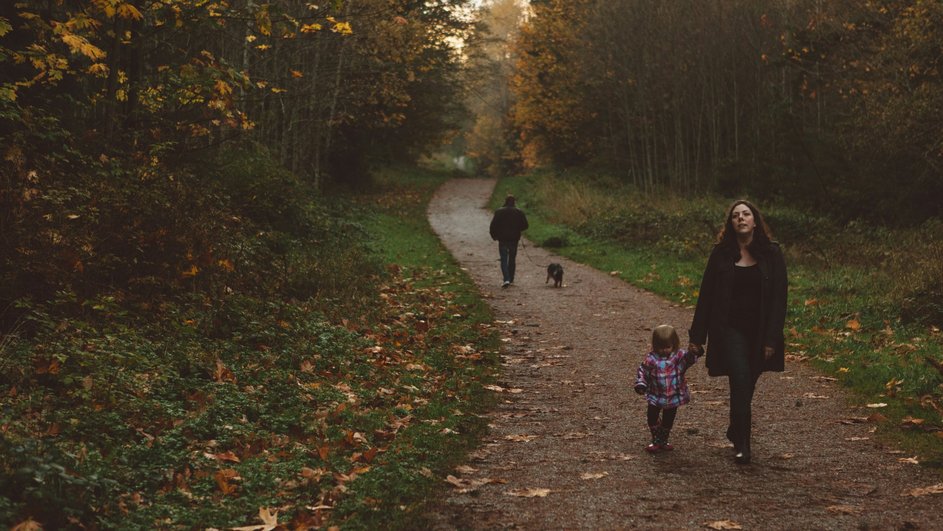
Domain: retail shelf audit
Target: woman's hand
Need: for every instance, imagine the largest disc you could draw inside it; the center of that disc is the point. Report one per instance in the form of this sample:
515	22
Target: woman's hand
697	349
768	353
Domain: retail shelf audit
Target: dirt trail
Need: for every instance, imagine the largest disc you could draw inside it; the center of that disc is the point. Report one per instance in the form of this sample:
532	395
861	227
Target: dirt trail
570	422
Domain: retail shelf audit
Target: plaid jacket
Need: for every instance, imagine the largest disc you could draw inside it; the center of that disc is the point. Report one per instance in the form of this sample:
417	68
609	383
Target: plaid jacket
662	379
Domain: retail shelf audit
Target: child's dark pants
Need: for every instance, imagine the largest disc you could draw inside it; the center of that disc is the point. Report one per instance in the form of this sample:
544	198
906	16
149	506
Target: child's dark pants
667	416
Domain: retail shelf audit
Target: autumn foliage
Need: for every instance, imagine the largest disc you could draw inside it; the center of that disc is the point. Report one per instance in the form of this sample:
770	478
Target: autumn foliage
831	105
186	317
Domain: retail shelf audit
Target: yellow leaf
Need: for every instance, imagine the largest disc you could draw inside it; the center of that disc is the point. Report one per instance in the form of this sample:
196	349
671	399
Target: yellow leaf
129	11
79	45
192	272
7	92
310	28
264	21
222	88
343	28
98	69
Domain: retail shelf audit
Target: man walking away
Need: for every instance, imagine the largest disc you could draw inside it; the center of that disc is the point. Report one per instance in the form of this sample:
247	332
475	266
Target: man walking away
506	227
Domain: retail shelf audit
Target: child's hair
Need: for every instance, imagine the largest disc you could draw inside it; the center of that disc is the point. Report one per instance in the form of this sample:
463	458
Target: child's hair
665	336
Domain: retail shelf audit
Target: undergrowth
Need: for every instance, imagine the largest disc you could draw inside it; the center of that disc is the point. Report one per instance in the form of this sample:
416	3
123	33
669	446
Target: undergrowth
864	300
324	363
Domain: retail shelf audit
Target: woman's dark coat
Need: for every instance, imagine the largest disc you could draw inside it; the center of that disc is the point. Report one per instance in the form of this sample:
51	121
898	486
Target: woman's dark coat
713	308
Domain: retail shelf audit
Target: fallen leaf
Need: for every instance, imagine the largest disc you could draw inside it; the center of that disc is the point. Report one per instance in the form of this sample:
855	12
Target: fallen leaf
910	460
467	485
854	420
312	473
269	519
924	491
529	493
465	469
575	435
27	525
224	480
844	509
877	405
853	325
495	388
225	456
813	395
520	438
593	475
723	524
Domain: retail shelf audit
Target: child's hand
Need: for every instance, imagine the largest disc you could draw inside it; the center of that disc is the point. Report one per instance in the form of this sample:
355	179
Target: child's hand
640	389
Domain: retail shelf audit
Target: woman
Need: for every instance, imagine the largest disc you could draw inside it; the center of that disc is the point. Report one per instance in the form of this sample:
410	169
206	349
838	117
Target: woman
741	309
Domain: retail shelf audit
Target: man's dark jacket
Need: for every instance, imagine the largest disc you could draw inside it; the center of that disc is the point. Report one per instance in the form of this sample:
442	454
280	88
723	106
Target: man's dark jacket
507	224
713	308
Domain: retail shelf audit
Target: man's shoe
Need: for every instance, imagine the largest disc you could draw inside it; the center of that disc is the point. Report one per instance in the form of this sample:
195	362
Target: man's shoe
506	284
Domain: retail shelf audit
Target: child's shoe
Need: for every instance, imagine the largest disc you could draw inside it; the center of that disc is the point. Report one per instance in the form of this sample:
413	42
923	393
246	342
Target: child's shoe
663	443
655	446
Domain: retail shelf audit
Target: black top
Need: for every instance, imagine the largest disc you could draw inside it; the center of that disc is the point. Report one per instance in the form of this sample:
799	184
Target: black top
507	224
745	302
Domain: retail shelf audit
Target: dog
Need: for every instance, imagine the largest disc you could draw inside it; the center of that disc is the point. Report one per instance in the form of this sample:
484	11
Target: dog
555	271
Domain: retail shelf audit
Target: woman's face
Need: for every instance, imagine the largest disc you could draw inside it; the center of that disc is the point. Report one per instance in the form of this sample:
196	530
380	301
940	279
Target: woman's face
741	217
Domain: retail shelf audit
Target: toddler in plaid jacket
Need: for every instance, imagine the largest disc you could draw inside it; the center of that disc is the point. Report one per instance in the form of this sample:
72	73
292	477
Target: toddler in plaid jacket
660	378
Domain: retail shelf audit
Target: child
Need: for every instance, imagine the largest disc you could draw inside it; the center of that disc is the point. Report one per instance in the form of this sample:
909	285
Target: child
661	379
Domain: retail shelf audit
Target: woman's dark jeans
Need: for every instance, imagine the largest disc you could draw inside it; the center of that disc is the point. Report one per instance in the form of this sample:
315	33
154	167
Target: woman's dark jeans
742	384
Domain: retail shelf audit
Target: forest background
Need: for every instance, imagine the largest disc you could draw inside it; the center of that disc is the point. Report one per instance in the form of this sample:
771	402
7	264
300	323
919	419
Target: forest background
218	294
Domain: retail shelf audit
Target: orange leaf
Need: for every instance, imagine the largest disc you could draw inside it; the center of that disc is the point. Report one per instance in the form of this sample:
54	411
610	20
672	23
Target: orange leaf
324	452
370	454
224	480
27	525
222	373
853	325
224	456
190	273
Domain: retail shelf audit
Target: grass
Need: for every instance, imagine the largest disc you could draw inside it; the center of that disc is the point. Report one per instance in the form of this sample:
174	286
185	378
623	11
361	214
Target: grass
862	299
341	407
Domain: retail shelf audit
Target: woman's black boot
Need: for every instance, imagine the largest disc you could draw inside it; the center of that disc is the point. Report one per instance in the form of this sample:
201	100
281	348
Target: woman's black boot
731	436
742	456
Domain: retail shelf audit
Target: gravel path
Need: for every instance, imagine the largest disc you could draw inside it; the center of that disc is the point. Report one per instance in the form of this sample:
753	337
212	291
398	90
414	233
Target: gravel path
565	449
